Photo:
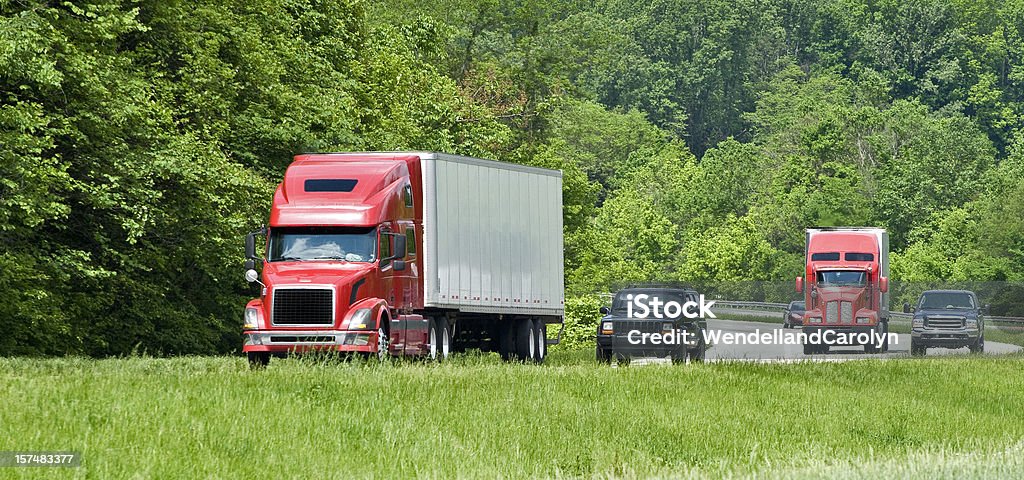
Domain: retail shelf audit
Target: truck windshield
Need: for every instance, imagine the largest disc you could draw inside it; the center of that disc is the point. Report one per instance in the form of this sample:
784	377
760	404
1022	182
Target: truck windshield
323	243
947	300
841	278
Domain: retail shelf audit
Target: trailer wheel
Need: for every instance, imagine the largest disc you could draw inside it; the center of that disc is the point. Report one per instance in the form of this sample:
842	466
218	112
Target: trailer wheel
541	338
526	345
444	340
258	360
506	340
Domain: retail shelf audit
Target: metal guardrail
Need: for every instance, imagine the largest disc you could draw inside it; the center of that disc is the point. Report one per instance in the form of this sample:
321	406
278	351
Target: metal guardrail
779	307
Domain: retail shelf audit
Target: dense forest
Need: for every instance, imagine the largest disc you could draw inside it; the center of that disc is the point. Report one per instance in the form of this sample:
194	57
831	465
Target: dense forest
142	139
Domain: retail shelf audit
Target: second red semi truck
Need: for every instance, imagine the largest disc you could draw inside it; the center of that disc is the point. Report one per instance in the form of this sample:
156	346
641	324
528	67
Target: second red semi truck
846	286
407	254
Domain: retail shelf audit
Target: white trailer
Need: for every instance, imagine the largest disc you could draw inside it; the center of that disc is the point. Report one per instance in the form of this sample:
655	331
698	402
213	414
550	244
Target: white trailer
492	233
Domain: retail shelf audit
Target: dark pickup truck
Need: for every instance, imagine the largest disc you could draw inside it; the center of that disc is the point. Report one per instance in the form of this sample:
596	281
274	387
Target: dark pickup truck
666	331
947	319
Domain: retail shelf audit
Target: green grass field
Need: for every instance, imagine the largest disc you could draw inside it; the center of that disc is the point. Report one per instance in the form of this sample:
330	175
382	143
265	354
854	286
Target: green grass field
475	417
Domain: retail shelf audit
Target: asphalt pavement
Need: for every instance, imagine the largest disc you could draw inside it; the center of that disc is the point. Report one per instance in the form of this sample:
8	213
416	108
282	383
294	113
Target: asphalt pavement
774	352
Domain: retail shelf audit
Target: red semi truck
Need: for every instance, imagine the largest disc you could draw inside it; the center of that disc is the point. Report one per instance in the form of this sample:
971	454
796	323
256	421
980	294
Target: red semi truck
846	287
407	254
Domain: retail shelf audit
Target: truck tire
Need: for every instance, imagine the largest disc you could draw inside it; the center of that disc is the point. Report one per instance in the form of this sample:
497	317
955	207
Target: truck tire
540	336
916	349
506	340
978	346
444	339
871	347
258	360
525	334
698	354
810	349
432	338
885	337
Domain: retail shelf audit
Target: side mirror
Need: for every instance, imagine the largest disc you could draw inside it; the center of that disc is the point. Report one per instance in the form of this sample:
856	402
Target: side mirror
605	310
250	264
883	284
250	243
800	284
398	265
906	308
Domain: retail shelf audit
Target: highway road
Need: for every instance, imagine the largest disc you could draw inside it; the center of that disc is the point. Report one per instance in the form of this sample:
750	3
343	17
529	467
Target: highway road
783	353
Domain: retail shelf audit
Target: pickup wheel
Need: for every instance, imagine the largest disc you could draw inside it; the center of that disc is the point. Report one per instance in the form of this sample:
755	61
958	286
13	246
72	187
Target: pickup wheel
526	343
978	346
917	349
258	360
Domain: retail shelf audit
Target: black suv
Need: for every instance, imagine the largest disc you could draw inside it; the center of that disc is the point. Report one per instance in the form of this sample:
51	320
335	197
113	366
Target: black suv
623	332
947	318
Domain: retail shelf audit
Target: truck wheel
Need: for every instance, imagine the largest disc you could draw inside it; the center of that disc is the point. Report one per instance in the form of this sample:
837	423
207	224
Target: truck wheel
526	344
444	339
506	340
258	360
541	338
978	346
810	349
885	337
432	339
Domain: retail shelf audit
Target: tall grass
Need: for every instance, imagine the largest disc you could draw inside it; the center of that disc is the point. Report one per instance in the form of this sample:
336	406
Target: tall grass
475	417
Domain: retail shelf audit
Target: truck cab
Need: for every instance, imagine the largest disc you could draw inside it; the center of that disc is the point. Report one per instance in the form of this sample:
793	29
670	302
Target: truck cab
846	285
339	261
947	319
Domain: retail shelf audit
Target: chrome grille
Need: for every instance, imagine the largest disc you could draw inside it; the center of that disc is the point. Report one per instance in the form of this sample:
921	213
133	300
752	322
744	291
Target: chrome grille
951	323
846	312
832	312
303	306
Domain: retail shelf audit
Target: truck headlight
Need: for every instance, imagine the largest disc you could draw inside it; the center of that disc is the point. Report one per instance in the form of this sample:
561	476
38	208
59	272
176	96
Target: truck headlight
606	328
250	319
918	322
813	319
360	320
863	320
